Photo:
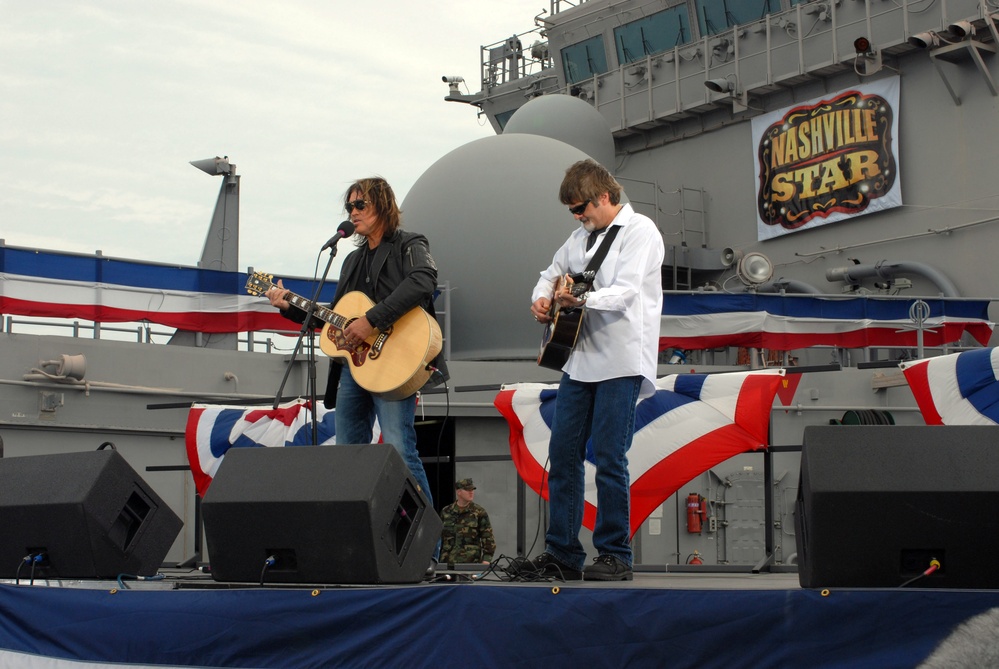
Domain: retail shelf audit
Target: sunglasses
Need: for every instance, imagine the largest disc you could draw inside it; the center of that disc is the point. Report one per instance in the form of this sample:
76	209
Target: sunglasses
356	204
579	208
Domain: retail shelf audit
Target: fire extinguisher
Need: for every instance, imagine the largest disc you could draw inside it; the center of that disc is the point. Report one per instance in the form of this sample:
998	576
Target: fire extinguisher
697	512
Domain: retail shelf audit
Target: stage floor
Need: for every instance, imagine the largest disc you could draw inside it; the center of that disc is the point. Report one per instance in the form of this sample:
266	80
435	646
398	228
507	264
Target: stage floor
660	619
685	578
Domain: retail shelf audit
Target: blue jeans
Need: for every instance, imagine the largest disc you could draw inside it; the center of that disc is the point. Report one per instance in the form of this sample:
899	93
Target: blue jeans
356	410
604	413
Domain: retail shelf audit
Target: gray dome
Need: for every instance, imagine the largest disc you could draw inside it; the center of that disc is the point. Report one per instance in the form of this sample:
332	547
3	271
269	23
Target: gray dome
568	120
491	211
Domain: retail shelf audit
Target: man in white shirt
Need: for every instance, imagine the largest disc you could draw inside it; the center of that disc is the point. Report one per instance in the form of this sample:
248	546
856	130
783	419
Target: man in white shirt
611	367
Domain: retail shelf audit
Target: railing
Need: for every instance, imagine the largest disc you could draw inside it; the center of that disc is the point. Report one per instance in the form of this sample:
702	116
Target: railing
808	40
144	333
506	61
758	57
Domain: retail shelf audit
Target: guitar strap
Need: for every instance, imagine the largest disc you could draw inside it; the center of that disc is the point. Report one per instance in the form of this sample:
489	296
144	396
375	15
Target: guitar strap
602	250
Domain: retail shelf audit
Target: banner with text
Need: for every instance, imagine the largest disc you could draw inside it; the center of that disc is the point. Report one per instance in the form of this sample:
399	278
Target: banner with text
827	159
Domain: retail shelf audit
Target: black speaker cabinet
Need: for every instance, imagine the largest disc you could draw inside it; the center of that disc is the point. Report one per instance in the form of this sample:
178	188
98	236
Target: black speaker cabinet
876	504
80	515
318	514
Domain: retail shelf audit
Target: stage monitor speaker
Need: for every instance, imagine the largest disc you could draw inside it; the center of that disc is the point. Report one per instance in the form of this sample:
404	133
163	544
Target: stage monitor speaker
347	513
80	515
877	504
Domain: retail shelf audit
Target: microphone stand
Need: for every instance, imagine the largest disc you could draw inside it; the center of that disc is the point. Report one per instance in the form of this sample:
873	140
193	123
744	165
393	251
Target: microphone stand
306	326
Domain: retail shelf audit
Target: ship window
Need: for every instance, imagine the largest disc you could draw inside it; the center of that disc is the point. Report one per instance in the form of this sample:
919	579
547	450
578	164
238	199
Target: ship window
503	117
581	61
715	16
652	34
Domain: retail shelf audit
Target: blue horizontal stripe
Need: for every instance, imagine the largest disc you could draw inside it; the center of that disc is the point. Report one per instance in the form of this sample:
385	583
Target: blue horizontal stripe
98	269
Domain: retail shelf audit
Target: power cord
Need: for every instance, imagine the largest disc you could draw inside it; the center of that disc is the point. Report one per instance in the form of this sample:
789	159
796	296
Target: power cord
135	577
269	562
522	570
505	569
33	559
440	434
20	565
934	566
541	509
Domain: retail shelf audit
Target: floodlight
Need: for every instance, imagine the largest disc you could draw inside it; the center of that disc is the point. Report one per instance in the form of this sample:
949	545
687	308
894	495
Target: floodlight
720	85
755	269
961	28
925	40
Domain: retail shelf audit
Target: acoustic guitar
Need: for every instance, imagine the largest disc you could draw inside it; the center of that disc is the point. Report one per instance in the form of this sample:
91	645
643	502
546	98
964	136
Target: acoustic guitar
394	363
562	330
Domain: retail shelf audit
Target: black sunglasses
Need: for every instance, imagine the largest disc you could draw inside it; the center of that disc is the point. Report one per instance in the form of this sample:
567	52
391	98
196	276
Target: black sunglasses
579	208
356	204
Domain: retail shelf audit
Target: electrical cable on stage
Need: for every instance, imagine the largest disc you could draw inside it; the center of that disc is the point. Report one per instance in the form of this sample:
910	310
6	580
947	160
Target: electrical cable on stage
934	566
521	569
33	559
269	562
135	577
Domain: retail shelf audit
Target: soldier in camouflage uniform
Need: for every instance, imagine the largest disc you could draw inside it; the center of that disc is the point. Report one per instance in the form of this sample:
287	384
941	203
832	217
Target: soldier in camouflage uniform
467	535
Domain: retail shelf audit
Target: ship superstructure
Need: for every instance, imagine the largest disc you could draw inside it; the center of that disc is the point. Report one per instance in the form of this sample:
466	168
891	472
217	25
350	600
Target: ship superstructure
791	154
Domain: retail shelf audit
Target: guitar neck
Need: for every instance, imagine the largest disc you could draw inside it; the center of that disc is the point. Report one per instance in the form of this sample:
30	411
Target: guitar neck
258	285
324	314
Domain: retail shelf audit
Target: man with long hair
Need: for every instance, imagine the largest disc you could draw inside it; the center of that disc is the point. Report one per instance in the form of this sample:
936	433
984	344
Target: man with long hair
395	270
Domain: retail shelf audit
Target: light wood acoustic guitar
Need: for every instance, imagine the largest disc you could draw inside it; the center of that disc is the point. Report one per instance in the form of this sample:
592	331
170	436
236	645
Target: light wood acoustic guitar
562	329
394	363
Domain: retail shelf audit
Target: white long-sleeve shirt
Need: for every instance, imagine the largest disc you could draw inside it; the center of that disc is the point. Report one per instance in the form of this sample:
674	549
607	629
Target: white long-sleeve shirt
620	329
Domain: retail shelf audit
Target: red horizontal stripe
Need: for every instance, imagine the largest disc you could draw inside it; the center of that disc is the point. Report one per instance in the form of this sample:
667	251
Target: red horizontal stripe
877	336
197	321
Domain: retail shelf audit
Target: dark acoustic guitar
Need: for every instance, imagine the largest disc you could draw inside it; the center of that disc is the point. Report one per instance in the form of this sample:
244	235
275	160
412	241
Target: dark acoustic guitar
563	327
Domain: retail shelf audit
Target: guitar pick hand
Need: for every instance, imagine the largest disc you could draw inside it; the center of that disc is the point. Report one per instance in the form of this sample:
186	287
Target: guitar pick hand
540	309
358	330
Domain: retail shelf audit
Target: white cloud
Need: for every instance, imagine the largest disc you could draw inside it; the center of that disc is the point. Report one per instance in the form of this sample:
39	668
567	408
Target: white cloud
105	102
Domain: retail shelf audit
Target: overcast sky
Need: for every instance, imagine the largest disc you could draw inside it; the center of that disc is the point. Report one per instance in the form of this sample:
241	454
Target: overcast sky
104	103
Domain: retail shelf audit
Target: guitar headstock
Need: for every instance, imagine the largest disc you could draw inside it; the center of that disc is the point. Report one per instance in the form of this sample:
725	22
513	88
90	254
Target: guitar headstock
579	283
259	283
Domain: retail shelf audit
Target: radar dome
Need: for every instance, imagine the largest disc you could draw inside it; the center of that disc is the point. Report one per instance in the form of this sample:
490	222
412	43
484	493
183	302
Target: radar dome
490	209
567	119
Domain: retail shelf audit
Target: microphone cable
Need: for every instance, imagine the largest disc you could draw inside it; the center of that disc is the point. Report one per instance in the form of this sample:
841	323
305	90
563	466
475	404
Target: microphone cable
440	433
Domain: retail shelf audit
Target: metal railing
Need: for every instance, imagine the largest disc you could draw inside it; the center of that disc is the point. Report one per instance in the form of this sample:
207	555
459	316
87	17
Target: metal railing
808	40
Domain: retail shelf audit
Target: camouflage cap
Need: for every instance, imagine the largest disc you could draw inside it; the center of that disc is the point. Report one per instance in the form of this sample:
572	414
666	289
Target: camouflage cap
464	484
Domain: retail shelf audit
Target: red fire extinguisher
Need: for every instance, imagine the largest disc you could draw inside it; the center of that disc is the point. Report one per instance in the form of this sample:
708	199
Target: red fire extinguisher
697	512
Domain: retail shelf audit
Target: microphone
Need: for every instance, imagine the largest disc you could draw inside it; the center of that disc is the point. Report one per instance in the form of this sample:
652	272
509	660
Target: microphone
345	229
